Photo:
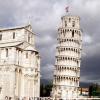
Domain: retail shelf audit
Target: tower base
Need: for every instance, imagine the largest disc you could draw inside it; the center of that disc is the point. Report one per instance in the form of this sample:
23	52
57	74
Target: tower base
63	92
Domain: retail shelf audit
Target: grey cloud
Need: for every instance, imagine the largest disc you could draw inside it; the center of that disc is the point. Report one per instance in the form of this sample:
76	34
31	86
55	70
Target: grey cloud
45	19
91	68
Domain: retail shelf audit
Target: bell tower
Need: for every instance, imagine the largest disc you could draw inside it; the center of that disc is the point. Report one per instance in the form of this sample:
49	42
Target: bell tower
68	58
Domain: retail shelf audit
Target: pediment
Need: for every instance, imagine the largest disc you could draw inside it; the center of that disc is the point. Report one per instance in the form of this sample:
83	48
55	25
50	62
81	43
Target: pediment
26	46
30	48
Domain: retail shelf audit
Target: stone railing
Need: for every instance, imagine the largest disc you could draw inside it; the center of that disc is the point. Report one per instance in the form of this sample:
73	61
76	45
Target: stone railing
49	98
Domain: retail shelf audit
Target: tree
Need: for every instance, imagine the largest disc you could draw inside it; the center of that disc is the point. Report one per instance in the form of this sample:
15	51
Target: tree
94	90
45	90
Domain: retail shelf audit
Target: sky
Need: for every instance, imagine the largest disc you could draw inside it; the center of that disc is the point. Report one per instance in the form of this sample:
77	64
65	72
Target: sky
45	18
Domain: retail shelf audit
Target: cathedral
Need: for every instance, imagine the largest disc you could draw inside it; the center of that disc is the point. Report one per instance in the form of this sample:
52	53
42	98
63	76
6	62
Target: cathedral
19	64
68	58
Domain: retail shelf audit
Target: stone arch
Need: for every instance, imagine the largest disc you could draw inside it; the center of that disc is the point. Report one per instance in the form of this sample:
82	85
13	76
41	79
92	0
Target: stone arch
69	40
58	78
69	19
73	33
65	30
6	97
65	58
70	68
67	78
72	79
61	49
71	49
77	62
16	70
79	33
60	68
74	49
20	71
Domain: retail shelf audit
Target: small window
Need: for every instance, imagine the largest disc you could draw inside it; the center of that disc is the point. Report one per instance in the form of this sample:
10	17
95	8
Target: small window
28	38
73	33
0	89
0	36
6	52
65	23
73	24
26	54
69	19
13	35
77	63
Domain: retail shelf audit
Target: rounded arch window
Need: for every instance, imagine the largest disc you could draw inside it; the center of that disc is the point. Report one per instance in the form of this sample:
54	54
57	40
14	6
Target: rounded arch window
73	24
73	33
69	19
13	35
66	58
63	30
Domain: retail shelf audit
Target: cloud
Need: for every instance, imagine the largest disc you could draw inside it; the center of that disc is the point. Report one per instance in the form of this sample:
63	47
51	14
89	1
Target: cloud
46	70
87	39
45	17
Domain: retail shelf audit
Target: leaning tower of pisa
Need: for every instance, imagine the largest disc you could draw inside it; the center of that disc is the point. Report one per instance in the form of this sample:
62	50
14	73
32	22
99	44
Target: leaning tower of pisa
68	58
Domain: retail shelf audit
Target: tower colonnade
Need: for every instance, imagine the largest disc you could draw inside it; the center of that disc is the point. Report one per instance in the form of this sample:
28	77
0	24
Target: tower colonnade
68	59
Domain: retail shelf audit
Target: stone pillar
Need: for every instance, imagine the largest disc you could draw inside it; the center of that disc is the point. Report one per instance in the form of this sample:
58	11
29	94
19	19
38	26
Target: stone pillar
16	87
22	85
19	83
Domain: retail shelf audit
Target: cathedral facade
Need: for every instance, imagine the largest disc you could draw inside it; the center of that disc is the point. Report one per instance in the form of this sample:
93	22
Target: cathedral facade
19	64
68	59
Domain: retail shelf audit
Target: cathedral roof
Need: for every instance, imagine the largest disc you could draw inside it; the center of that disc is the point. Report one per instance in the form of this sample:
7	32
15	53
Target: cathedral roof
9	44
14	28
19	44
